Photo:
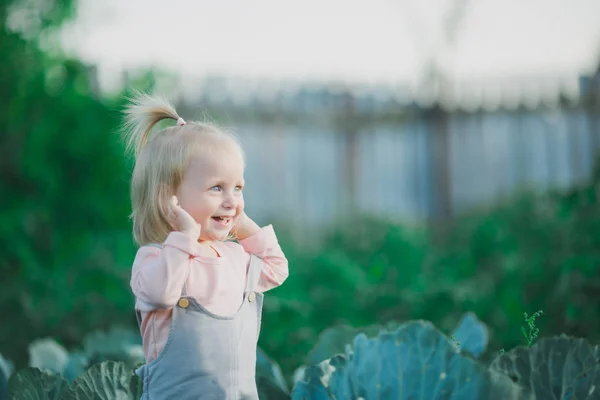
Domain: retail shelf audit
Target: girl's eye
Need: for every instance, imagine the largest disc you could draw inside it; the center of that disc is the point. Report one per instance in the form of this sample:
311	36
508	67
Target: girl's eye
215	188
238	188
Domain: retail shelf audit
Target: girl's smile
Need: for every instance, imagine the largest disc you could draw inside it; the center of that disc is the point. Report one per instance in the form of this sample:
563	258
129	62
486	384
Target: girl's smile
224	222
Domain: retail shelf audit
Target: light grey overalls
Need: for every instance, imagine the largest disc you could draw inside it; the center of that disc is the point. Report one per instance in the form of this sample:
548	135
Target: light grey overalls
208	356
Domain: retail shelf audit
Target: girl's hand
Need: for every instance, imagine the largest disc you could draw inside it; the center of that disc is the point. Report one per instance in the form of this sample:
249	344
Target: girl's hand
244	227
181	220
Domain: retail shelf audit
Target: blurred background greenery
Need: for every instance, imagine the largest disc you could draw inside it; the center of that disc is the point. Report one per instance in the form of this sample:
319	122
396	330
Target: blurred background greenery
66	247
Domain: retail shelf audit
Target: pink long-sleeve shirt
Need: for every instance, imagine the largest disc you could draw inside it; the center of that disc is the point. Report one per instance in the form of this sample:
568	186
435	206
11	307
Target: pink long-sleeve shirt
217	283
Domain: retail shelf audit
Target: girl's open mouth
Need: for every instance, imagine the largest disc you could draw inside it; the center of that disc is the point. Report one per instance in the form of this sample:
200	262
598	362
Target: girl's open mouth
223	221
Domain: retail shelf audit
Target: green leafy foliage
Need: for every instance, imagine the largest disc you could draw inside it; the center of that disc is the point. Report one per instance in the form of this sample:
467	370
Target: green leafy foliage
560	367
116	344
531	332
66	244
48	355
538	251
410	360
416	360
103	368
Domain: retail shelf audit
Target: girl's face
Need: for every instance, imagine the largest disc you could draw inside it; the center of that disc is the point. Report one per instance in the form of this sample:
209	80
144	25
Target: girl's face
211	192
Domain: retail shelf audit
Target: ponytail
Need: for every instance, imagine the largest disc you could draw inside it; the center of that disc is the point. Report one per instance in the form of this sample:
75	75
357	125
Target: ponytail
141	115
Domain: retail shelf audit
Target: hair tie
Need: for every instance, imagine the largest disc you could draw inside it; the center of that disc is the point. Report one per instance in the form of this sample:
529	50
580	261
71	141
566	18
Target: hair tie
180	121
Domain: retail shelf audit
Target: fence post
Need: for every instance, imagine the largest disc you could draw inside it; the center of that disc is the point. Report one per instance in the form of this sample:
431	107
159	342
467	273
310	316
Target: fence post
592	101
348	124
437	121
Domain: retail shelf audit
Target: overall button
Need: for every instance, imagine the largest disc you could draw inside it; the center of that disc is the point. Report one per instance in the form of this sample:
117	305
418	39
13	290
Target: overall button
251	297
183	303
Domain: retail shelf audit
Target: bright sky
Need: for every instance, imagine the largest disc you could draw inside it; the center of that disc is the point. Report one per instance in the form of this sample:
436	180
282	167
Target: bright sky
359	40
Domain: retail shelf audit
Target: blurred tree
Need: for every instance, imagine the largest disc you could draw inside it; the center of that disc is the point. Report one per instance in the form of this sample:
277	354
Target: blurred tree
64	203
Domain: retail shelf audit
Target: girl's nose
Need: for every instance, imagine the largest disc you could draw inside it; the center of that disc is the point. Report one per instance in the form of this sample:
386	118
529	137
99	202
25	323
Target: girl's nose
229	201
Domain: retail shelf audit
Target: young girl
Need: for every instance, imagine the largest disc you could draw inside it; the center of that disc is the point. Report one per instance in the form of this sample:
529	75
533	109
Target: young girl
198	295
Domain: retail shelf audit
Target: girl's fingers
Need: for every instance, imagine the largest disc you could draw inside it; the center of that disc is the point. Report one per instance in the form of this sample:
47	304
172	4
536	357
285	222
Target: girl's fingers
172	212
177	215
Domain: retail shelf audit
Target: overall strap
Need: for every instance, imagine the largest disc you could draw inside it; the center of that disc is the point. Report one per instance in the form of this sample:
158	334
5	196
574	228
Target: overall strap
254	271
160	246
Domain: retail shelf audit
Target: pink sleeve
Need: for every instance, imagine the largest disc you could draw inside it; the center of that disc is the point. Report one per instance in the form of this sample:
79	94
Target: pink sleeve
159	273
264	244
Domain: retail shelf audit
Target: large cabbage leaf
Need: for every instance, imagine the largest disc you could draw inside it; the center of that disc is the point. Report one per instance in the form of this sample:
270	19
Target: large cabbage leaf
269	378
416	361
108	380
35	384
105	381
472	335
315	383
554	368
335	340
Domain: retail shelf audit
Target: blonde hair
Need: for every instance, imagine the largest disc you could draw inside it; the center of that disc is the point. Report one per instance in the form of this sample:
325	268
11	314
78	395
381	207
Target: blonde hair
161	160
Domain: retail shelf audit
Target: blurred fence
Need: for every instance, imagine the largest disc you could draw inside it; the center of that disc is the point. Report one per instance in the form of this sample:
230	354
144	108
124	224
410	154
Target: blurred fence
317	156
